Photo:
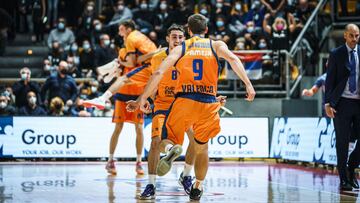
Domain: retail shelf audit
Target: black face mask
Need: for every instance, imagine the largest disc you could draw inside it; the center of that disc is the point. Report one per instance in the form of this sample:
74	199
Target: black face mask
58	106
63	71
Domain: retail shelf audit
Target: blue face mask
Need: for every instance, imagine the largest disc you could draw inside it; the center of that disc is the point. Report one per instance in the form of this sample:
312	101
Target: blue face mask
203	11
107	42
61	26
86	46
262	45
74	48
219	23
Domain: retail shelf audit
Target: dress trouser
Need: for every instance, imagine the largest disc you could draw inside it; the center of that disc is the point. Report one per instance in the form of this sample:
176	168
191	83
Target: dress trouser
347	116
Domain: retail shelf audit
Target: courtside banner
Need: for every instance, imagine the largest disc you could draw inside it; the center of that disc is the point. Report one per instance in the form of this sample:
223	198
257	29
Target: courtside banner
304	139
74	137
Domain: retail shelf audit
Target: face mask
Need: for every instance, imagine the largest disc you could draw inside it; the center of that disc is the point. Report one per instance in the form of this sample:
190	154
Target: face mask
241	46
32	100
83	96
120	7
279	27
23	76
163	6
7	93
2	105
106	42
61	26
107	106
66	108
203	11
70	65
93	89
86	46
63	71
143	6
58	106
74	48
238	7
98	27
250	29
219	23
219	5
255	5
262	45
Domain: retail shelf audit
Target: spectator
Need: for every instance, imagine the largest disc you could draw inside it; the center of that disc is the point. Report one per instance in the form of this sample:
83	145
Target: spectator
251	35
104	54
85	24
73	69
221	8
56	107
5	108
256	13
96	32
60	85
5	23
94	90
63	35
87	58
31	108
240	44
221	32
144	17
162	20
38	19
121	13
24	86
279	32
53	59
182	12
237	19
74	52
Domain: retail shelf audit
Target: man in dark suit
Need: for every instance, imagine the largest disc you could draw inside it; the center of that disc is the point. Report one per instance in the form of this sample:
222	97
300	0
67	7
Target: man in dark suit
342	103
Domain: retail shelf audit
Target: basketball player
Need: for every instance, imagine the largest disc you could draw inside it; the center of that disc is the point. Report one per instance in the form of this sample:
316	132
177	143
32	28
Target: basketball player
195	104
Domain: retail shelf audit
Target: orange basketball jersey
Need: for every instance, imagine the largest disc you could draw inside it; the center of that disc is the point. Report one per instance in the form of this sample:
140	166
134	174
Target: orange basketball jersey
139	43
198	67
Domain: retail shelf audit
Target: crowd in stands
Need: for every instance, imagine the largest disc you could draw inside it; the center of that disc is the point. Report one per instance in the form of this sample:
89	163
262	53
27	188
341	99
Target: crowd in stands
83	35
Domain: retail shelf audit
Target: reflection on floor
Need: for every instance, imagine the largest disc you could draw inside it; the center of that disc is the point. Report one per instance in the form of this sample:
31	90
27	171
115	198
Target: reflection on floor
226	182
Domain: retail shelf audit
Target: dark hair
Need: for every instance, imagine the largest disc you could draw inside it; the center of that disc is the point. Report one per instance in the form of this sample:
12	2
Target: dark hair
175	27
197	23
128	24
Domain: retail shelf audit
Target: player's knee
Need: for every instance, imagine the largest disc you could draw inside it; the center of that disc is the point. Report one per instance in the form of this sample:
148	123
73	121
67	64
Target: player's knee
200	147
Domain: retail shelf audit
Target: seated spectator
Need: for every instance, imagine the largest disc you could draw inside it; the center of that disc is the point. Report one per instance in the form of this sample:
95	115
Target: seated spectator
53	59
60	85
121	13
221	8
56	107
74	52
104	53
31	108
63	35
79	110
87	58
94	90
303	12
256	13
144	17
5	108
73	69
8	92
221	32
251	35
22	87
240	44
237	19
205	10
96	32
162	20
182	12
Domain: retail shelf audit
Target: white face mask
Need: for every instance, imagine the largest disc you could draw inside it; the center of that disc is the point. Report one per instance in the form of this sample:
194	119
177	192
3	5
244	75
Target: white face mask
163	6
3	105
32	100
66	108
93	89
23	76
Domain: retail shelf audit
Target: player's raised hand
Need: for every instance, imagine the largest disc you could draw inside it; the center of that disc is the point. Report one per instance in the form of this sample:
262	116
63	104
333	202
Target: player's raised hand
250	93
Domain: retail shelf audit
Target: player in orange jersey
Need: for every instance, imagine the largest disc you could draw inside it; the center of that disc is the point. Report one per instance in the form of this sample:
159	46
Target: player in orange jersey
136	44
195	104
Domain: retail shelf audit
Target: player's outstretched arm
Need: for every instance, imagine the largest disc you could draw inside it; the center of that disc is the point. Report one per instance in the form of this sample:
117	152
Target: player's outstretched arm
148	56
222	51
152	84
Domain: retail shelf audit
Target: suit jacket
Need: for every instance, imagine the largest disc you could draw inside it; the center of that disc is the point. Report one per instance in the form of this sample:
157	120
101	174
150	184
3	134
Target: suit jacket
338	73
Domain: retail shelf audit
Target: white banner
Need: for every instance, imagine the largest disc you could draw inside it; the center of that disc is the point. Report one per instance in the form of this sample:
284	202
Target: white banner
304	139
89	137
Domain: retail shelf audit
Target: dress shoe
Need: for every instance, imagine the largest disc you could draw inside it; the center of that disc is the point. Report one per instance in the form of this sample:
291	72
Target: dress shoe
353	180
345	185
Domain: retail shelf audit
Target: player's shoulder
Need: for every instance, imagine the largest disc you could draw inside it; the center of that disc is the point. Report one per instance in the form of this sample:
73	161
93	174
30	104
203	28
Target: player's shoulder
160	55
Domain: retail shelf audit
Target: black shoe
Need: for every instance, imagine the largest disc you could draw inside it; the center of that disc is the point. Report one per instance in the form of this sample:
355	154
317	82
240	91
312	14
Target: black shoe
353	180
345	185
195	194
